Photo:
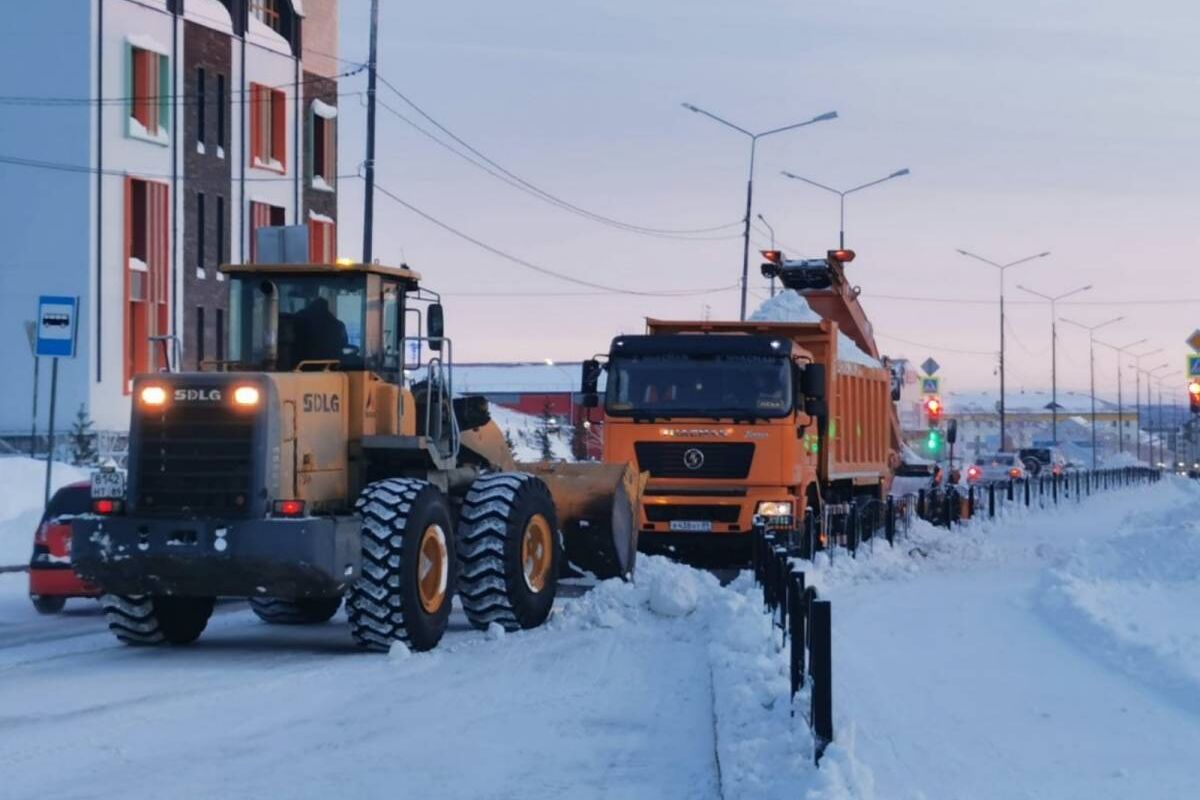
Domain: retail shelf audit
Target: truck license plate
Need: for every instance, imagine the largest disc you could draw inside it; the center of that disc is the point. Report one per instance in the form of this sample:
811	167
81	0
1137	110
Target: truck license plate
108	483
691	525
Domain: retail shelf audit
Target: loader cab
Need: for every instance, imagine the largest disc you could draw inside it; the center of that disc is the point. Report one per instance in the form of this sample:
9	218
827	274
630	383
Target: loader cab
311	317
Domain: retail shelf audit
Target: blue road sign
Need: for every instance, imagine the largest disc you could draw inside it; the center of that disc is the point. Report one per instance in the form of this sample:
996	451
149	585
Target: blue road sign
930	385
1194	365
57	323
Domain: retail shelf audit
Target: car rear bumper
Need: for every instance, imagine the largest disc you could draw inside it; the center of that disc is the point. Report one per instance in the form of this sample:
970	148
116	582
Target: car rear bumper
291	558
59	581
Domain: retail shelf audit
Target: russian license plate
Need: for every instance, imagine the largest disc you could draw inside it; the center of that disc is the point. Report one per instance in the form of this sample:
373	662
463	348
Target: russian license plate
691	525
108	483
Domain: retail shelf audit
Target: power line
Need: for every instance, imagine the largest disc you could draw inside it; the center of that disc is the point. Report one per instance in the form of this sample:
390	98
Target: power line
57	166
538	268
937	346
974	301
537	191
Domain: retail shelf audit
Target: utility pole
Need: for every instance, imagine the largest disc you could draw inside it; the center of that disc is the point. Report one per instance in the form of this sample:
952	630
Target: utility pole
369	182
1053	300
1091	329
1120	351
772	230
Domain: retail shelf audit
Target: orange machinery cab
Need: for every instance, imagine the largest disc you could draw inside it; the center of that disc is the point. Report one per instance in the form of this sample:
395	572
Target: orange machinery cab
51	579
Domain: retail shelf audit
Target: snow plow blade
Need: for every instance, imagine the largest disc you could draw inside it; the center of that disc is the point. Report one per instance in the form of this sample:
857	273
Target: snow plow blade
597	513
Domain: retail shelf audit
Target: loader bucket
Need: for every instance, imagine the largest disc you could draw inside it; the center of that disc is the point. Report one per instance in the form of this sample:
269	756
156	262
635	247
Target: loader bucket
597	513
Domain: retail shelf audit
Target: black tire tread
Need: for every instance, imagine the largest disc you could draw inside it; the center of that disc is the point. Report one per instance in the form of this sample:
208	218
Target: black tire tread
307	611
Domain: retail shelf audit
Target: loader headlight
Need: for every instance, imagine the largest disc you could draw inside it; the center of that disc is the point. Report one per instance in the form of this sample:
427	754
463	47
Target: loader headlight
245	396
774	508
153	395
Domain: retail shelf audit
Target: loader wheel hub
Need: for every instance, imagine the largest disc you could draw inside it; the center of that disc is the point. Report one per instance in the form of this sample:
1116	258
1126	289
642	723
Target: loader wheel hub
537	552
433	568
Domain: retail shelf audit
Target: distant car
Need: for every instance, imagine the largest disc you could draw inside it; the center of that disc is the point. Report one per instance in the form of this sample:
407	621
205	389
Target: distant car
1036	459
995	468
51	580
909	479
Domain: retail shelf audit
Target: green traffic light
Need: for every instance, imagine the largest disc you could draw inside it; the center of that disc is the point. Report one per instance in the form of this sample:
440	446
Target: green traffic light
933	441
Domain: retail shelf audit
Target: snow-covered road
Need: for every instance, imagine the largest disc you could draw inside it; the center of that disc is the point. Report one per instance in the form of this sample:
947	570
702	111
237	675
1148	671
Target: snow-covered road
979	673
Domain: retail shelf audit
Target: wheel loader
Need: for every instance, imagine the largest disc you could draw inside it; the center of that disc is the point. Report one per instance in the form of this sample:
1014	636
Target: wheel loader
328	461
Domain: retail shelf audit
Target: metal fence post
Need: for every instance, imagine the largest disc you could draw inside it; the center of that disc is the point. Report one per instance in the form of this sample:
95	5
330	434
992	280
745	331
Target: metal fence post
796	601
821	669
1026	483
890	529
991	501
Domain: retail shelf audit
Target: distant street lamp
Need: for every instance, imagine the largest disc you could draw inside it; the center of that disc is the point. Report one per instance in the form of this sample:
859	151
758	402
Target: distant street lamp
1137	370
763	220
1120	351
1092	369
754	137
1162	450
1053	300
1002	268
841	193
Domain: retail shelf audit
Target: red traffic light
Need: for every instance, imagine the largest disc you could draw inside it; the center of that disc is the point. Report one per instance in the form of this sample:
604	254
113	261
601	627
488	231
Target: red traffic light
1194	388
1194	395
933	407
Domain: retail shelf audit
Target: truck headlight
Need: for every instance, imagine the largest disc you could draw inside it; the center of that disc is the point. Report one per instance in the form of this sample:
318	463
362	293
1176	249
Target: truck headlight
153	395
774	508
245	396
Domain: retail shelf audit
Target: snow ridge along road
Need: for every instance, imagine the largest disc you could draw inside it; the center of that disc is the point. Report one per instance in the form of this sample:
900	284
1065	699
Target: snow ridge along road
1054	655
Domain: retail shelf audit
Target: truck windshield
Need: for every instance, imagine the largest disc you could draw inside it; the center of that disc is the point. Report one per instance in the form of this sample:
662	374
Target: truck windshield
662	386
320	319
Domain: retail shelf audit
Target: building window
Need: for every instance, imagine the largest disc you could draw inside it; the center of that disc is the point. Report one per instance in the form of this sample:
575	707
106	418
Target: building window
220	231
263	215
267	12
324	145
200	102
220	114
200	232
322	239
220	334
147	291
149	91
199	336
268	128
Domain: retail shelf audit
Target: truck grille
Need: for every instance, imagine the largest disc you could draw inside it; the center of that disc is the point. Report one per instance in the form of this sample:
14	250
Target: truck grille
195	458
656	513
677	460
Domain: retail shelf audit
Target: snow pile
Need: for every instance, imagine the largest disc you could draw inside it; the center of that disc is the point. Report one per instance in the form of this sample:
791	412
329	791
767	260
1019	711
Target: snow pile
525	430
24	480
762	749
789	306
1131	599
1122	459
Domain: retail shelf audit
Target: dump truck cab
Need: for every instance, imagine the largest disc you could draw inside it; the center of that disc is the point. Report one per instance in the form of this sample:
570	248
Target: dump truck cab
326	459
725	424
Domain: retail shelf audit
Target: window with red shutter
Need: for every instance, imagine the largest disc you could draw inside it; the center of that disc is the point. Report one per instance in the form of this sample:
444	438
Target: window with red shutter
147	287
268	128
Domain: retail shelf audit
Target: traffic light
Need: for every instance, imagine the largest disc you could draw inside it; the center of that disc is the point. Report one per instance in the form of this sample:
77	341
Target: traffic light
933	440
933	409
1194	395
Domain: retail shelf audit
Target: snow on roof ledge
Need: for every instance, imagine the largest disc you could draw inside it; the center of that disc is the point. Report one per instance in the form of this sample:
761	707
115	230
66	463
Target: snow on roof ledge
324	110
298	7
146	42
263	34
209	13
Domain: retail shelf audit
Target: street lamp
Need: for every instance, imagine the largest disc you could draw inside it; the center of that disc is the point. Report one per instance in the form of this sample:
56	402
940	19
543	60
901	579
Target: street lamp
1002	268
763	220
1137	393
1091	329
841	193
754	137
1053	300
1153	375
1120	351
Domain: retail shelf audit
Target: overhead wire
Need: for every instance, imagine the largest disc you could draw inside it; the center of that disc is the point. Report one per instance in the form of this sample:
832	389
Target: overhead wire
33	163
539	268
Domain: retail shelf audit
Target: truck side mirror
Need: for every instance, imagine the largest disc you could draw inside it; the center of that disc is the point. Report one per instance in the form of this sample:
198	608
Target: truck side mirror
435	326
951	431
812	385
590	383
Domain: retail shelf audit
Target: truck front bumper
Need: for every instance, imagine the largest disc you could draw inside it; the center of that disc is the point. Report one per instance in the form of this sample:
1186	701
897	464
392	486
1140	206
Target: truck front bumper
289	558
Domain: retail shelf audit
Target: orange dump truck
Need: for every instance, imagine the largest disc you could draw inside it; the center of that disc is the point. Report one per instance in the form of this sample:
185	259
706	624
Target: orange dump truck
738	420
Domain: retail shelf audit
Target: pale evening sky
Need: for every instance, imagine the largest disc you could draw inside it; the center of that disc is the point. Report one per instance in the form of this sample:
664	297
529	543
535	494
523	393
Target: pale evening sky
1064	126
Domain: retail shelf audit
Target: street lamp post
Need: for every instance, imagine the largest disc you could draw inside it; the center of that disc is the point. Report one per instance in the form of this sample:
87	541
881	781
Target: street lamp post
1137	395
1091	329
763	220
1053	300
1162	452
841	193
1002	269
1120	351
754	137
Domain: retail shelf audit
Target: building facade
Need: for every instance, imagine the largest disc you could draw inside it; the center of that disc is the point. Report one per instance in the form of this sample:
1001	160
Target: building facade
159	136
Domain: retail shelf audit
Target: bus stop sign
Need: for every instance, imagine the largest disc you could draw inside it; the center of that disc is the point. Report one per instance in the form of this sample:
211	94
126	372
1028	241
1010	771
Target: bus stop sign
57	323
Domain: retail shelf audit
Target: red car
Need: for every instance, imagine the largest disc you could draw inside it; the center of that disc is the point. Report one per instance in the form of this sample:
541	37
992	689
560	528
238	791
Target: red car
51	579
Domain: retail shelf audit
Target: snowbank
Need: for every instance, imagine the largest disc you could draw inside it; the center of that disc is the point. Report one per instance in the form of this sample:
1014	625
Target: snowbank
789	306
523	430
23	480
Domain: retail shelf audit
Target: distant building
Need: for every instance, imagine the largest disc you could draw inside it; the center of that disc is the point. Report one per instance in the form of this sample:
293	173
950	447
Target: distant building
165	133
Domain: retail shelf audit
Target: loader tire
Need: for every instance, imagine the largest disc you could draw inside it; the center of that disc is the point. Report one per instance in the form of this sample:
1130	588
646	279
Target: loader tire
156	619
406	585
303	611
509	550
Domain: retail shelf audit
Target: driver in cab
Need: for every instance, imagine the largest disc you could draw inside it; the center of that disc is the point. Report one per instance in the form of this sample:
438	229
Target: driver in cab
322	336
